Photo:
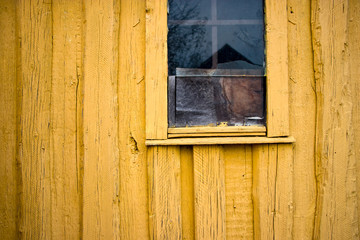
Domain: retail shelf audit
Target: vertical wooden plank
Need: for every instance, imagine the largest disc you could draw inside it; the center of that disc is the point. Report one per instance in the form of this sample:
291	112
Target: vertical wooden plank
238	192
277	122
283	218
302	116
209	187
354	50
272	191
264	172
66	192
156	69
336	207
101	157
133	166
34	24
164	192
8	174
187	192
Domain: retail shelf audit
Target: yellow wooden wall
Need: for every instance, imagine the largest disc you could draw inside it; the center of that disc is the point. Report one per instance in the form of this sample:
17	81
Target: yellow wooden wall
72	134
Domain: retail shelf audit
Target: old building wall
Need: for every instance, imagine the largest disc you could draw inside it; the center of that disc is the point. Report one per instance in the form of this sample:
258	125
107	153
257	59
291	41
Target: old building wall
72	128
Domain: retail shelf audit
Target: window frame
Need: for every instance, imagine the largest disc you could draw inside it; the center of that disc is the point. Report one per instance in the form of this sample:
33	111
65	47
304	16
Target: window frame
156	74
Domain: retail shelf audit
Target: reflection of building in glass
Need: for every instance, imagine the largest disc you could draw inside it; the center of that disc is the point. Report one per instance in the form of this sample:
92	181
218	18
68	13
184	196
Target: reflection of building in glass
229	58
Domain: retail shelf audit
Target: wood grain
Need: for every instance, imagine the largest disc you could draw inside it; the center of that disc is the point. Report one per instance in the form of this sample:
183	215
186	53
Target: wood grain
219	140
277	96
272	191
8	129
34	73
101	215
336	214
238	192
66	64
156	69
302	109
209	189
164	192
187	192
132	150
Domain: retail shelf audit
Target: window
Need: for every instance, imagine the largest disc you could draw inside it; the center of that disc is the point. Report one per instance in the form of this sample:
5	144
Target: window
216	63
219	70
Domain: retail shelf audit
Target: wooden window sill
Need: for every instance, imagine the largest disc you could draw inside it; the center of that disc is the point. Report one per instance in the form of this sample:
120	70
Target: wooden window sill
220	141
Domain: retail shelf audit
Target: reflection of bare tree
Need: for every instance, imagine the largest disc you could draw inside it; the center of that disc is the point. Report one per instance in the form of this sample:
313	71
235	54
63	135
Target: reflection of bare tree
185	43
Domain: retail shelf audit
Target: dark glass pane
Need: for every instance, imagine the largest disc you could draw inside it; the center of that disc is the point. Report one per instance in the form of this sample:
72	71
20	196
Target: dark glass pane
189	9
240	47
188	46
212	100
239	9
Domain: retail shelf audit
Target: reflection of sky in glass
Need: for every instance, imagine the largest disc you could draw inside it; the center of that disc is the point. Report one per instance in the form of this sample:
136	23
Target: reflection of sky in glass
247	40
189	9
192	46
239	9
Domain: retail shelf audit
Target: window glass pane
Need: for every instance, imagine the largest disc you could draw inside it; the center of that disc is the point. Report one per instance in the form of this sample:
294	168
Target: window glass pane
239	9
189	9
240	47
188	46
216	55
237	101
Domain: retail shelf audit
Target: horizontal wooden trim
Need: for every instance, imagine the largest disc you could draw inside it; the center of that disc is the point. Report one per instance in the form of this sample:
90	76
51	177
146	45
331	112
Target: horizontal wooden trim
232	129
238	134
220	140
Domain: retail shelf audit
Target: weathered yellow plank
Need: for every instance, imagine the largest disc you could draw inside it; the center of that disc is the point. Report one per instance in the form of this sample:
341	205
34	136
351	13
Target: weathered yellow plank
272	191
336	214
238	192
302	116
65	189
209	187
156	69
276	68
34	26
8	174
187	192
133	168
219	140
101	180
354	50
164	192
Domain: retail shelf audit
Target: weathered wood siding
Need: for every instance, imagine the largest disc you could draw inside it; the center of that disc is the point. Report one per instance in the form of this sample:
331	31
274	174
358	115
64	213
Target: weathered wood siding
74	164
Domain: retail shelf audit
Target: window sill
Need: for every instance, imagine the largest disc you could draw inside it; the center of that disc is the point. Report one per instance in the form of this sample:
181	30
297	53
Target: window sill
219	141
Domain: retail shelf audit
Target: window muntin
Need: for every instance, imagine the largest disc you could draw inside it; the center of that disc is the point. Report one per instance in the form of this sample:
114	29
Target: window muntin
208	35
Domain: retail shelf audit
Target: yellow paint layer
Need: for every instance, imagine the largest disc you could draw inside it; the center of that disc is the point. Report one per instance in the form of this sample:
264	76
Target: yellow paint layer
133	168
238	192
277	103
209	189
187	192
164	192
302	116
101	215
156	69
219	140
354	51
34	26
336	208
65	187
8	174
272	191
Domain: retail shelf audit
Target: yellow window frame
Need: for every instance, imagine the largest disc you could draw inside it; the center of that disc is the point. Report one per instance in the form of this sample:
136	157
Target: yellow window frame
277	109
